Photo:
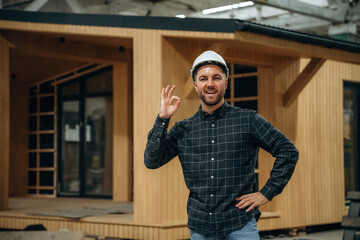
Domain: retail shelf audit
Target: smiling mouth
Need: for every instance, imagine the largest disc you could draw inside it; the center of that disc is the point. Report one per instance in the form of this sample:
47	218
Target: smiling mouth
210	92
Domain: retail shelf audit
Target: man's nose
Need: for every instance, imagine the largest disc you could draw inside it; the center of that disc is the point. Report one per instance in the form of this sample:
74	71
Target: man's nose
210	82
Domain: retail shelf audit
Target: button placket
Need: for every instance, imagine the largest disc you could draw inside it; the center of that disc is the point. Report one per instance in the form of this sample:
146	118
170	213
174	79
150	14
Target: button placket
212	163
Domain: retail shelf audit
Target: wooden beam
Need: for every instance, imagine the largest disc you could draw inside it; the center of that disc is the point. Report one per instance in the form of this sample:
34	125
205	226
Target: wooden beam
122	137
302	80
62	48
4	122
287	48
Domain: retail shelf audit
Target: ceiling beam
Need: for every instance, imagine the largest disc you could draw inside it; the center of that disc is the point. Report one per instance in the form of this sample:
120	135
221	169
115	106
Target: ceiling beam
36	5
336	15
61	48
302	80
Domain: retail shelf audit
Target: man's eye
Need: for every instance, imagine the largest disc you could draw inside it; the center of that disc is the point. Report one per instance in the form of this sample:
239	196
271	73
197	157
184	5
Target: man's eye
202	79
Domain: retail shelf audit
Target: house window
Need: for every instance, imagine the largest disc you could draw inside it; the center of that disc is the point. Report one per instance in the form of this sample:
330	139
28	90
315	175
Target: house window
242	90
242	86
42	149
42	135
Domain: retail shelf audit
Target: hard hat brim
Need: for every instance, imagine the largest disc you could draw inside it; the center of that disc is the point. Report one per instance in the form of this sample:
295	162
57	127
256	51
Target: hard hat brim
222	66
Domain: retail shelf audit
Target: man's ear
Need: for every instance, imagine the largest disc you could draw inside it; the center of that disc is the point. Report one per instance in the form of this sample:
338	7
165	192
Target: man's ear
226	83
195	86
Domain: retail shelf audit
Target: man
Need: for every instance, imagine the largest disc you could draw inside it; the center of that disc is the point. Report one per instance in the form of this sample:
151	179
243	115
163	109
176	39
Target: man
218	148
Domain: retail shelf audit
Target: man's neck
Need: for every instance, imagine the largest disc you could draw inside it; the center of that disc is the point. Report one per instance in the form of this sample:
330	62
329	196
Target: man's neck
211	109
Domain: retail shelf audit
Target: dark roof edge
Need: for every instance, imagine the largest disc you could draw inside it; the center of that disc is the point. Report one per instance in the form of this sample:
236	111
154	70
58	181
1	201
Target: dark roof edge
180	24
163	23
297	36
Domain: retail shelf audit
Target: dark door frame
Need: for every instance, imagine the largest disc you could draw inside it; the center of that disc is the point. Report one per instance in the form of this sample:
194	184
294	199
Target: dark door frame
82	147
356	88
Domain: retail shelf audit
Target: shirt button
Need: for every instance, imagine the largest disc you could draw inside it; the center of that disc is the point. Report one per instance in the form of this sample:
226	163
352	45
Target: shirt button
212	159
213	125
212	176
211	195
212	141
210	214
163	124
158	139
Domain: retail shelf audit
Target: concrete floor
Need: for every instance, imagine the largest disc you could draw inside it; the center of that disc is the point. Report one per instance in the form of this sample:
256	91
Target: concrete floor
323	235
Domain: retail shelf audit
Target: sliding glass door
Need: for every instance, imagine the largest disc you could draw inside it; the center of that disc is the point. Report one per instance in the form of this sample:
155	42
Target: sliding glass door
85	137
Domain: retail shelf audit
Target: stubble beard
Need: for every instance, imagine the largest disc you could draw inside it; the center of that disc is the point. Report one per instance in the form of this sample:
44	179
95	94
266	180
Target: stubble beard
218	99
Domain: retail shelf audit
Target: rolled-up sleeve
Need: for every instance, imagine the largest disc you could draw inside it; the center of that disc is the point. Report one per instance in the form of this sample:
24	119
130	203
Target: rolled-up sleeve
280	147
161	146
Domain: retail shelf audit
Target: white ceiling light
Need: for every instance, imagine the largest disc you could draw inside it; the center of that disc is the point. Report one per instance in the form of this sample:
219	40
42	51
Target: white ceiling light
227	7
180	16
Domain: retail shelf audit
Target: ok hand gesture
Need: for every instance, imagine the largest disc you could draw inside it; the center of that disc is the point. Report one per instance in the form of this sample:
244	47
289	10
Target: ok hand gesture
169	104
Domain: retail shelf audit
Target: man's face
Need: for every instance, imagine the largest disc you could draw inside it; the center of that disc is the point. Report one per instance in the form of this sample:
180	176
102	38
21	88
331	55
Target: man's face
210	84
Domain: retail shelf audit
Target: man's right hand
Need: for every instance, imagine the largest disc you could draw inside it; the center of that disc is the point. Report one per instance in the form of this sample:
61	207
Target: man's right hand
169	104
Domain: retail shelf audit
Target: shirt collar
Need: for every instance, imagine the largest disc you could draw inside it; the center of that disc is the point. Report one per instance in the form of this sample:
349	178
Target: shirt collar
218	113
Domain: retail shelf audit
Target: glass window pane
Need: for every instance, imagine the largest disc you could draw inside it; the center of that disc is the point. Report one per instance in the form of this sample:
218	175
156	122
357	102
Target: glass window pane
246	87
47	104
32	160
247	104
100	82
228	90
71	89
70	147
46	178
33	105
46	141
46	160
32	123
46	191
98	157
32	178
47	87
32	141
350	141
33	91
47	122
244	69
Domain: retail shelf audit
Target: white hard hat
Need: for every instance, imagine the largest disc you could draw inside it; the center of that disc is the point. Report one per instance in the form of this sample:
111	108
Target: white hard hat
209	58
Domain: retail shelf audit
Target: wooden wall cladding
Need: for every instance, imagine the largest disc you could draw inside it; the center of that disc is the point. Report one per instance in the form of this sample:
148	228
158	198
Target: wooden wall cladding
315	194
4	122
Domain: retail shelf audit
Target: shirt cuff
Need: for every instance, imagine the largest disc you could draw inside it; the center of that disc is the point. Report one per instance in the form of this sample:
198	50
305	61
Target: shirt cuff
163	122
267	192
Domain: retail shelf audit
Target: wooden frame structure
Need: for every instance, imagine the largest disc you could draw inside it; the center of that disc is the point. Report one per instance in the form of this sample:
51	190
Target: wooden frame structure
301	98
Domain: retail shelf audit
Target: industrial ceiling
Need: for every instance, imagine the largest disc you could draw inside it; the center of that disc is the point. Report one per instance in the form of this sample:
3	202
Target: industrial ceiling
335	18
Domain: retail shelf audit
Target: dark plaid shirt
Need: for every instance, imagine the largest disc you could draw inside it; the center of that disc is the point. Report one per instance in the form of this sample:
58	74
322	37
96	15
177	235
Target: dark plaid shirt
218	154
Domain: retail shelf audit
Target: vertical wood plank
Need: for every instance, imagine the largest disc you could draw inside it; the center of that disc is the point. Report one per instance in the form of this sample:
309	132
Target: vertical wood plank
122	139
147	88
4	123
18	169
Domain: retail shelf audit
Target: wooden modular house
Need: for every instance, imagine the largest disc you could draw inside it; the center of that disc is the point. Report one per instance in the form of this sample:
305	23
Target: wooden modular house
79	93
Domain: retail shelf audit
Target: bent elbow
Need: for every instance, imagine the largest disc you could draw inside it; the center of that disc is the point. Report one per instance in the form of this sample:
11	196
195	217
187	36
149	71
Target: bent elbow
150	166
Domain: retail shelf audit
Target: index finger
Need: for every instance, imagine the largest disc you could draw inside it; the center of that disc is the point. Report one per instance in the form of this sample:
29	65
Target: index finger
171	90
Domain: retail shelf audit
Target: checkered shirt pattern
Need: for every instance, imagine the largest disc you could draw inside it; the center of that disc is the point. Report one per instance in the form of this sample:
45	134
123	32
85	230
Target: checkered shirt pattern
218	154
